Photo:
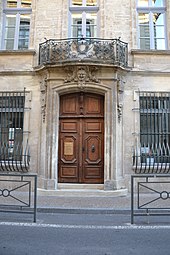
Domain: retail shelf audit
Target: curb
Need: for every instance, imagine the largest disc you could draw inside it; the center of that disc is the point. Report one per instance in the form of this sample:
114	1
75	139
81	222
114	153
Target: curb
83	210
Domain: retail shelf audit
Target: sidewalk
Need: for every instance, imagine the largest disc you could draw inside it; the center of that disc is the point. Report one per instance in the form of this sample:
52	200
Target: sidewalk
88	202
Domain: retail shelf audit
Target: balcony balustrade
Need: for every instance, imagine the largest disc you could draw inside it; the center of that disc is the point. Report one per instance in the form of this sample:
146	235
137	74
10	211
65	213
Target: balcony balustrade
99	51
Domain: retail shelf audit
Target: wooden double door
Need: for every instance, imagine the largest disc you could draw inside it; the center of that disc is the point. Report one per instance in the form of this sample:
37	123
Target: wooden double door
81	138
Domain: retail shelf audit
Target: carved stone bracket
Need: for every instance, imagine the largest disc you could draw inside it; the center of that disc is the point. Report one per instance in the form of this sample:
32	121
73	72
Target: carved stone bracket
43	89
119	110
120	90
81	75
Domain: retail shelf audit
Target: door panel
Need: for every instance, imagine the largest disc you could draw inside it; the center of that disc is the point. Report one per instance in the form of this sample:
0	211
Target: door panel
93	126
69	105
81	139
92	149
68	153
93	105
93	156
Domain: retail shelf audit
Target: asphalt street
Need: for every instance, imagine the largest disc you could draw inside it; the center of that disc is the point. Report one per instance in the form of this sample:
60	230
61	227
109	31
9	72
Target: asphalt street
73	234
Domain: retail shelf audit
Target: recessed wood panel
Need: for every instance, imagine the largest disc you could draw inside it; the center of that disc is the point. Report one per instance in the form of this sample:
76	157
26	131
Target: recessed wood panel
68	151
94	105
93	149
93	126
69	105
69	126
93	172
68	172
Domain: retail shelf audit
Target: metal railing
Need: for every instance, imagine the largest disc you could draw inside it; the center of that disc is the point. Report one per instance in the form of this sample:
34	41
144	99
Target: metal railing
18	193
150	195
151	158
15	159
111	51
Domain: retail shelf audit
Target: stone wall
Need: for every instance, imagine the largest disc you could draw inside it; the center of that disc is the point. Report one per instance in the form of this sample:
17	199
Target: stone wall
0	21
148	70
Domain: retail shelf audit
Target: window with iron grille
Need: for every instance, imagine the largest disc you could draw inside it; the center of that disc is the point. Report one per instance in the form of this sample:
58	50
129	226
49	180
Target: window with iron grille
16	24
83	18
155	119
151	24
14	152
154	147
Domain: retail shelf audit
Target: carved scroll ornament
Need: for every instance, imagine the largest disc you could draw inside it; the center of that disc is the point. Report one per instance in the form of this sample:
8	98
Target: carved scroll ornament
43	89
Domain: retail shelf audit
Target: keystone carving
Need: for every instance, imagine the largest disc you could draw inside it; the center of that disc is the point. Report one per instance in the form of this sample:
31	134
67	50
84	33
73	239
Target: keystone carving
81	75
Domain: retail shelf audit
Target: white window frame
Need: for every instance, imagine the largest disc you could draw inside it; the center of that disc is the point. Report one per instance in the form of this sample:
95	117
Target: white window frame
18	11
150	10
84	10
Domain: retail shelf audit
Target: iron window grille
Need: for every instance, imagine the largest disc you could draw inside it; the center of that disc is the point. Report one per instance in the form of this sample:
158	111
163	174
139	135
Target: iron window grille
152	154
14	148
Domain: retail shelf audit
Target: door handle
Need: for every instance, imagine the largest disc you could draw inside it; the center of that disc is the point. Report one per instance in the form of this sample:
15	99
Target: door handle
93	148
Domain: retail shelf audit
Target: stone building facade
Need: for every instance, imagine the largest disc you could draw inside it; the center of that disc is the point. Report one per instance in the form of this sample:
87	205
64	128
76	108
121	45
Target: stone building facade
96	107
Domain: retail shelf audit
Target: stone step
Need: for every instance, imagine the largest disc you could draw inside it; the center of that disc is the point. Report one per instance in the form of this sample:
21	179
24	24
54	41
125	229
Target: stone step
83	193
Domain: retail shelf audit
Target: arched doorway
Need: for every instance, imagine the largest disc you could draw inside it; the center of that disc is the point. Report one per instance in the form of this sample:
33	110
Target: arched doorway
81	138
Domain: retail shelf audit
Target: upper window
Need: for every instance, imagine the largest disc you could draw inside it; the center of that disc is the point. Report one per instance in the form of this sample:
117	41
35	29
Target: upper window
16	24
83	18
151	24
84	2
147	3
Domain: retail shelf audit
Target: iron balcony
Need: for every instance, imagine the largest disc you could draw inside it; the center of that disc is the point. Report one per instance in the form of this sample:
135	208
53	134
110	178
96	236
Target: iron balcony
99	51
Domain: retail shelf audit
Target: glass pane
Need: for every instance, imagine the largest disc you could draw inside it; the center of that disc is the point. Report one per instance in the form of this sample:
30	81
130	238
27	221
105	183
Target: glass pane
77	2
143	3
77	31
158	18
144	30
23	43
76	18
144	43
11	4
160	44
10	31
22	4
24	32
159	32
158	3
143	18
91	2
91	20
77	25
26	3
9	44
